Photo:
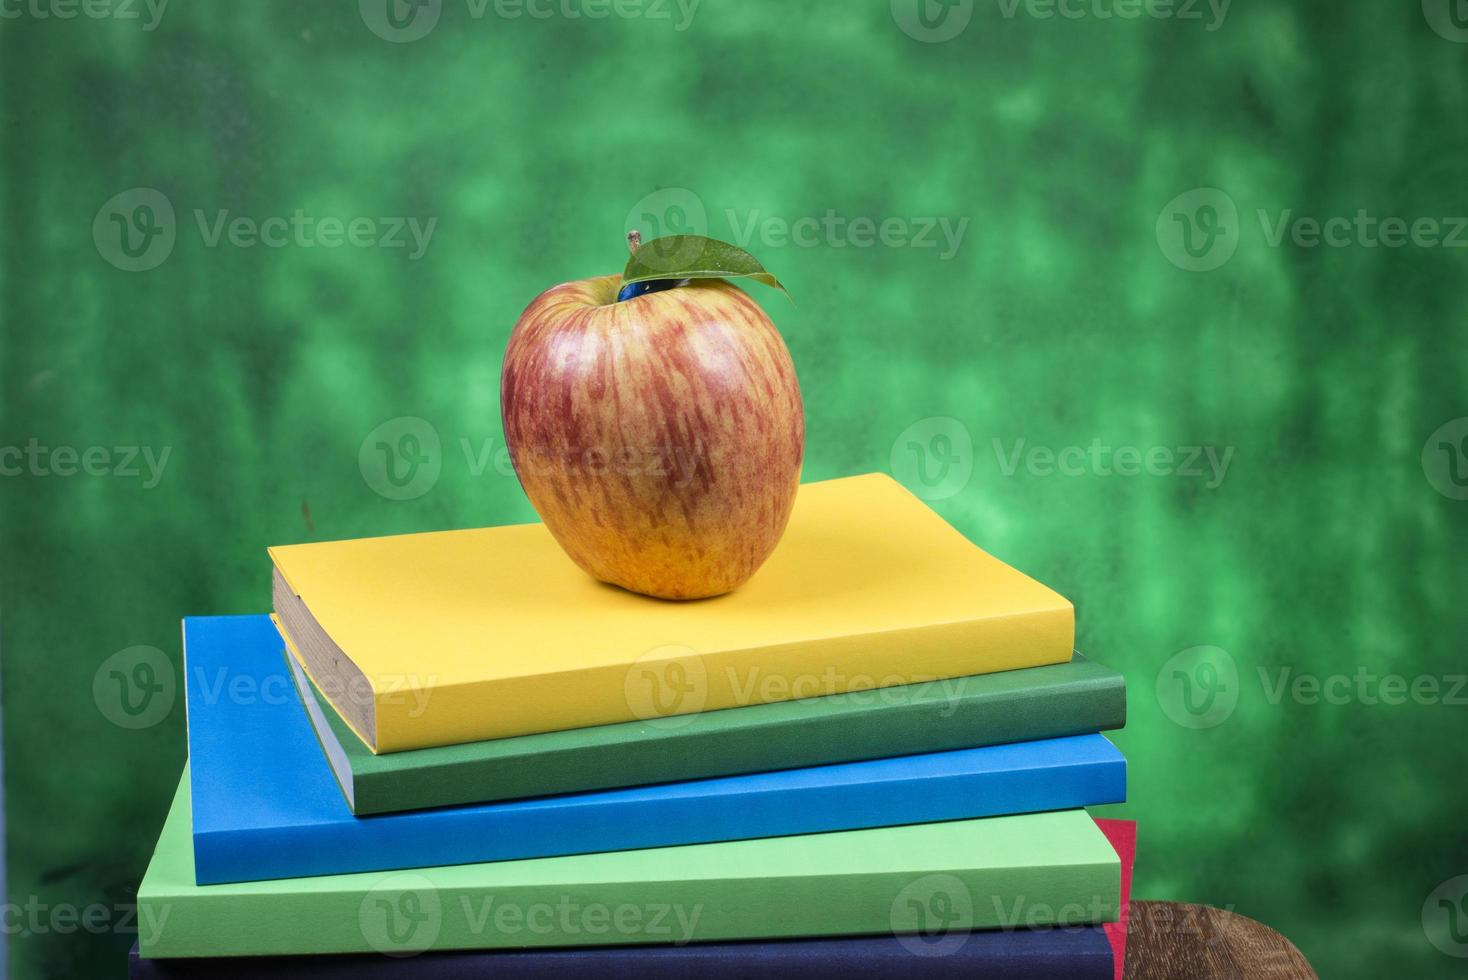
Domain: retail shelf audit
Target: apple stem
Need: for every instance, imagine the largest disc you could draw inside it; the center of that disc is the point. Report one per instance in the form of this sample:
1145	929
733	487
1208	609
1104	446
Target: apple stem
634	241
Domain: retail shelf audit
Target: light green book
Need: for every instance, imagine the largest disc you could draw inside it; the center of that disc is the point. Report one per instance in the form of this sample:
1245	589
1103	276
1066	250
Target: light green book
1037	869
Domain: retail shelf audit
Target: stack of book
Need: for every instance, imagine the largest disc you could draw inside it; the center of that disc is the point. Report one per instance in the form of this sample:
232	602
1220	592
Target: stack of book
454	754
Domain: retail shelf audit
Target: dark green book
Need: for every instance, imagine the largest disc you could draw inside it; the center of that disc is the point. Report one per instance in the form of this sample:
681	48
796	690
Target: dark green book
1075	698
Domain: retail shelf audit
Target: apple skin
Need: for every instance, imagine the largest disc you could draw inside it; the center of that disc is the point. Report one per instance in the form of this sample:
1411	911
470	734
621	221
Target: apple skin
659	438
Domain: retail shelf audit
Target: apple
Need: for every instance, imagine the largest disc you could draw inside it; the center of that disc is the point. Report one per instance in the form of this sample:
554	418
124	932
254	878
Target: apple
659	437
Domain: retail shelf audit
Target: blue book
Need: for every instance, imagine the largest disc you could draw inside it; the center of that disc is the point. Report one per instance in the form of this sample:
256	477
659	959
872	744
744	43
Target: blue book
1074	953
266	804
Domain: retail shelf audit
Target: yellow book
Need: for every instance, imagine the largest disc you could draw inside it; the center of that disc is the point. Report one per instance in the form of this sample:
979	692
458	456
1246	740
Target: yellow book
457	636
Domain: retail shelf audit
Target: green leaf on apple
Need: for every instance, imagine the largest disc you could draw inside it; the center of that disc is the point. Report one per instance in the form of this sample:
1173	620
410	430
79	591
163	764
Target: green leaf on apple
694	257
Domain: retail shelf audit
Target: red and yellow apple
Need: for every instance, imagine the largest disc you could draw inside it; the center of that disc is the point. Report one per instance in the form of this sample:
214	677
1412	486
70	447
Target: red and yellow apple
660	438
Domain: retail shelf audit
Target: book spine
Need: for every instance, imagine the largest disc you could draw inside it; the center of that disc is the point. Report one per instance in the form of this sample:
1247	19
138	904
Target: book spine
1075	776
405	914
1068	954
598	696
932	725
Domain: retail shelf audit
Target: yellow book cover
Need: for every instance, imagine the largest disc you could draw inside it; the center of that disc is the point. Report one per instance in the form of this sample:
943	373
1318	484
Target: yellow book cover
457	636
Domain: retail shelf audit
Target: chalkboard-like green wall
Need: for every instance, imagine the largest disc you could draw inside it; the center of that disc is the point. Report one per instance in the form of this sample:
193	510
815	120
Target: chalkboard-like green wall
1166	309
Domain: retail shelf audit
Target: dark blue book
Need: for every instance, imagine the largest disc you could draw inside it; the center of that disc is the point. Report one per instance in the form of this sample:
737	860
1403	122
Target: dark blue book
266	805
1077	953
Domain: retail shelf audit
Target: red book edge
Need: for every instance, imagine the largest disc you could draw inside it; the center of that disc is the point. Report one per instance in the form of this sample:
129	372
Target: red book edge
1123	837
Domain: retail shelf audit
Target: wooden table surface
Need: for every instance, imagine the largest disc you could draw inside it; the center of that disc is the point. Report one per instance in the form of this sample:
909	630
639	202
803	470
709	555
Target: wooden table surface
1175	941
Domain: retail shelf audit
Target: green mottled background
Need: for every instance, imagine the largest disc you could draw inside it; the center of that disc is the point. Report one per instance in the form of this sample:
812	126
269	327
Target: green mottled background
1062	318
